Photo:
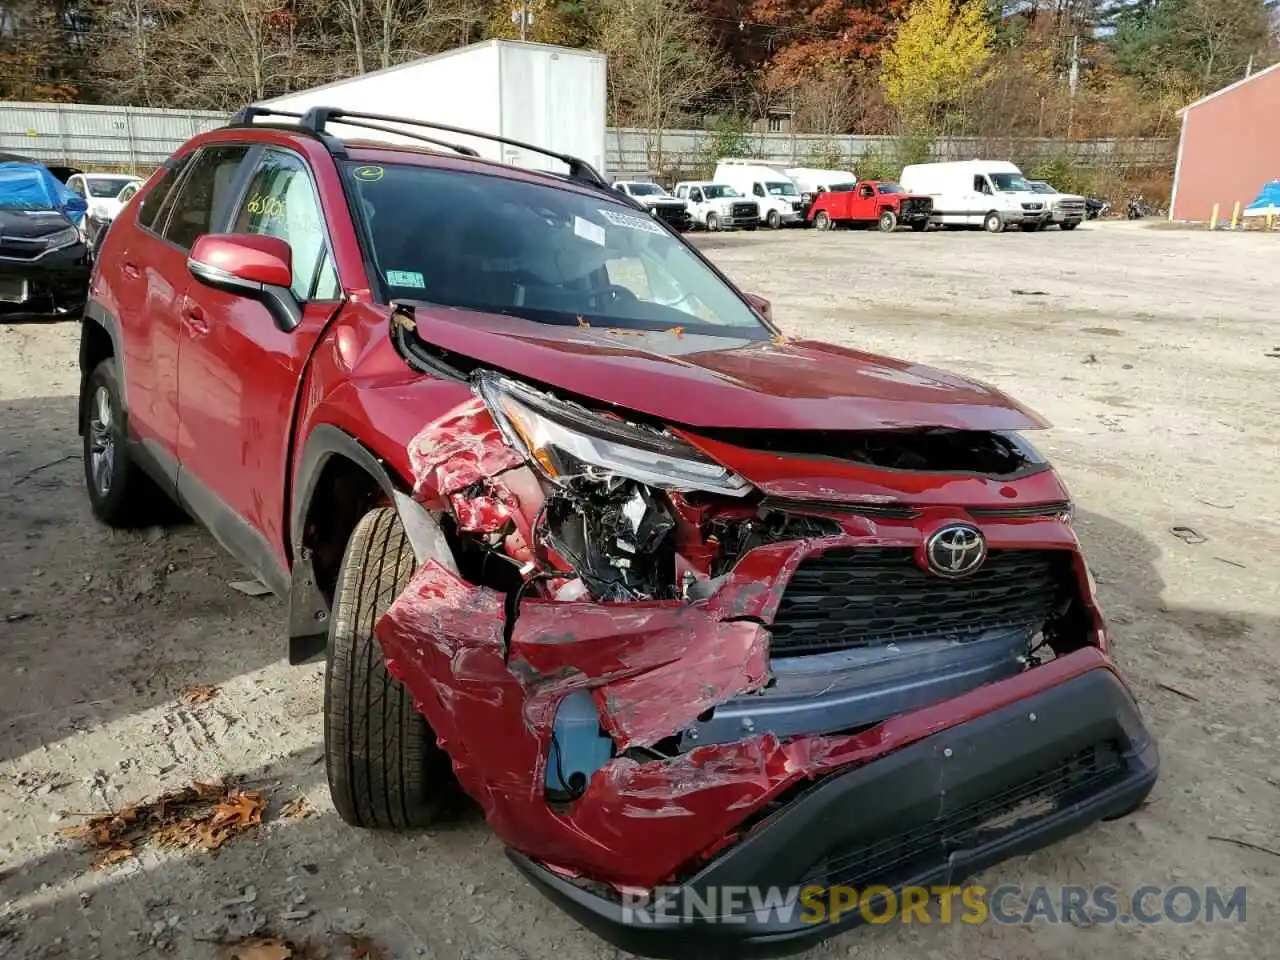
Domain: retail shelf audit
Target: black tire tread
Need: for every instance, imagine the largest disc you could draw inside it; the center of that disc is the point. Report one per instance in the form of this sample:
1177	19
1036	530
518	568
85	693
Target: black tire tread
385	768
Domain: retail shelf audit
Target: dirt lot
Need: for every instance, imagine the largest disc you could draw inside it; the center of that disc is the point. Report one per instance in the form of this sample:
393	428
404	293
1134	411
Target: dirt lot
1145	347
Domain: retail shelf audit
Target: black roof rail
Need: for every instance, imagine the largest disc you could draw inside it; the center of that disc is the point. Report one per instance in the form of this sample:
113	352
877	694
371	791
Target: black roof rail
317	118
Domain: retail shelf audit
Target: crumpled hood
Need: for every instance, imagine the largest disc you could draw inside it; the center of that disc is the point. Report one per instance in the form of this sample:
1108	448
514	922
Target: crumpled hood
31	224
710	382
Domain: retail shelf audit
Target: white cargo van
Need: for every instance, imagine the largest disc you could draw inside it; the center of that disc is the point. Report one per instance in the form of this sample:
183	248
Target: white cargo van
992	194
775	192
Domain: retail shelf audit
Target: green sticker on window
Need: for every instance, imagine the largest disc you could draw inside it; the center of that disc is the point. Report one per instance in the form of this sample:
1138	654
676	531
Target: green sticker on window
369	174
405	278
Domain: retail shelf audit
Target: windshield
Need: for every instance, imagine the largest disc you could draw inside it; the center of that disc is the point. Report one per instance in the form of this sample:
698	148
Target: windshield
551	255
782	189
1042	188
841	187
717	190
1010	183
889	188
647	190
107	186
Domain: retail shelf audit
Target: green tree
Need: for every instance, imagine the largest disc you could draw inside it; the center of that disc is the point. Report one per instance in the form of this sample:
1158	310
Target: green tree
936	59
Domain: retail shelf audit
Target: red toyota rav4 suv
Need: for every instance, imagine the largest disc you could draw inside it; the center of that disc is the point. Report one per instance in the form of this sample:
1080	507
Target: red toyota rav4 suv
683	604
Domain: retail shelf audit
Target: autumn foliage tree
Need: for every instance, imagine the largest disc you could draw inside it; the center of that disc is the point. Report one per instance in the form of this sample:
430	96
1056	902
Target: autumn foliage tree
936	60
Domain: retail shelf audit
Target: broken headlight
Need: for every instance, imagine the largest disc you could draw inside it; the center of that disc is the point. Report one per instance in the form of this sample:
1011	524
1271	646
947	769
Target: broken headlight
568	441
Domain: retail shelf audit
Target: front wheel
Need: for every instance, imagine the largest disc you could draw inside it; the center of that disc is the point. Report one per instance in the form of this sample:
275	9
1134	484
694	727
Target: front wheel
994	223
1068	226
384	766
821	220
774	219
920	226
751	226
713	222
888	222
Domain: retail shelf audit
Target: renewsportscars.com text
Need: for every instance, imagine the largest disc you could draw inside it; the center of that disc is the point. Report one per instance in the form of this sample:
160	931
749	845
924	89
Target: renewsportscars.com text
1008	904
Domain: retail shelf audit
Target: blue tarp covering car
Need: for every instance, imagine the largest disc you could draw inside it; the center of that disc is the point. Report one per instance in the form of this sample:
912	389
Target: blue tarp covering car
1268	199
32	187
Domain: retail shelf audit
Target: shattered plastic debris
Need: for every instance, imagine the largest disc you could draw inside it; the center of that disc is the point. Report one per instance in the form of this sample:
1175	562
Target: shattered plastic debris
202	816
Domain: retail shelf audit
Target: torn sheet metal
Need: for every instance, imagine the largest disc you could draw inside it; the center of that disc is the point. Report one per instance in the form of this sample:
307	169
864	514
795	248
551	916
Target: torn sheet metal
461	448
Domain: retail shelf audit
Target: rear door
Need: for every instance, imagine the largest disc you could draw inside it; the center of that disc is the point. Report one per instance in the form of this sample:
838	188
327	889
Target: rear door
239	372
152	273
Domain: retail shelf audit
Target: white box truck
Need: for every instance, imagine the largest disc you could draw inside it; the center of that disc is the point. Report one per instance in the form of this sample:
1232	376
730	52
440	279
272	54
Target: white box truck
547	96
991	194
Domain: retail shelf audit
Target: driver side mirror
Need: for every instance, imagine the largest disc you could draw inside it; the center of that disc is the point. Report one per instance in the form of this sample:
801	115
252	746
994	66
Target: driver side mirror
761	305
258	268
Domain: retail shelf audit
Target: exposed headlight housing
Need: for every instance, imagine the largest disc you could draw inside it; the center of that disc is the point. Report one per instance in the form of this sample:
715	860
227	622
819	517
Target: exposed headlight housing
568	441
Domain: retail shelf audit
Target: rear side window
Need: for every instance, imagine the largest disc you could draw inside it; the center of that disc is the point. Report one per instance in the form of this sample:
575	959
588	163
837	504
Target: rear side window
204	193
281	202
154	200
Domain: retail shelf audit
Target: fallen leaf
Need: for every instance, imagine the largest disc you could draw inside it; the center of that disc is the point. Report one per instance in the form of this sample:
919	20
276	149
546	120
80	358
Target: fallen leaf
362	948
113	855
582	322
298	808
678	332
199	695
261	949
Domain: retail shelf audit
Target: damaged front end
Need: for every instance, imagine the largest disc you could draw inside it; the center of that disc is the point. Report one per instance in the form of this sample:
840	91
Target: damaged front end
654	654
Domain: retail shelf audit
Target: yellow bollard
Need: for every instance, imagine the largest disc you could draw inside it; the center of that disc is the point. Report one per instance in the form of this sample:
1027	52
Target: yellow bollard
1271	217
1235	216
1213	222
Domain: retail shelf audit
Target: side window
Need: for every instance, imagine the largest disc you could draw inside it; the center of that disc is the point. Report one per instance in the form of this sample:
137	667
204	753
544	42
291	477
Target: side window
757	190
153	203
204	194
980	184
695	195
281	202
76	185
865	191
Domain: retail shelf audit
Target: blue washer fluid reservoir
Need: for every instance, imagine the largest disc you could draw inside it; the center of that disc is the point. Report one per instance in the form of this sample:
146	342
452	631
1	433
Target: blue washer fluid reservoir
578	749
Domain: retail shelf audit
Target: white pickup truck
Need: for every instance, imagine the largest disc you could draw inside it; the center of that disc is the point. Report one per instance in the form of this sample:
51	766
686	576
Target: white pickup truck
718	206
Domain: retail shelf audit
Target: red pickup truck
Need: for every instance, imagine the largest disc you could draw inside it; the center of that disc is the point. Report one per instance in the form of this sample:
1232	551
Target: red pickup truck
872	201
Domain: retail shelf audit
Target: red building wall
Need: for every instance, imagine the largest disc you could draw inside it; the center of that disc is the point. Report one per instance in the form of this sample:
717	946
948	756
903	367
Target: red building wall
1230	148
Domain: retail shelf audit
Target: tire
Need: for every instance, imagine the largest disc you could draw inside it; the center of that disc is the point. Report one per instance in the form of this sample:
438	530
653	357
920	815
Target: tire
888	222
993	223
120	494
921	226
713	222
774	220
1068	226
385	769
821	221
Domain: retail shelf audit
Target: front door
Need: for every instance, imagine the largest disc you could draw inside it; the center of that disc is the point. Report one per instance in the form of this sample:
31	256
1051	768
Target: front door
239	372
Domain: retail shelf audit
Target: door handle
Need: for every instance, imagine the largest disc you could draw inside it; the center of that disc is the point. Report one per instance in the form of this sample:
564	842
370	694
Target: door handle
131	270
194	320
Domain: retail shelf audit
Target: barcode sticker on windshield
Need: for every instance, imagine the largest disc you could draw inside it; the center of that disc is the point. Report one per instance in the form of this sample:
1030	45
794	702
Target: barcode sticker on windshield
405	278
631	221
589	231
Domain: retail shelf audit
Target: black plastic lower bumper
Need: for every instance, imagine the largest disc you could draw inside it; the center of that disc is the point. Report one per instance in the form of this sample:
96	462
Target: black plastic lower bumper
933	813
57	284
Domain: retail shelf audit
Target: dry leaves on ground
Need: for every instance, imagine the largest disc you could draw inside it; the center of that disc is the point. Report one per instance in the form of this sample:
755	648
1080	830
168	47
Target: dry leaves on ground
199	695
202	816
352	947
299	808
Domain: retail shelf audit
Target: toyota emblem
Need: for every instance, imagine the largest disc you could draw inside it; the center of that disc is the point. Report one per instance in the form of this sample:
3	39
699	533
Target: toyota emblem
956	551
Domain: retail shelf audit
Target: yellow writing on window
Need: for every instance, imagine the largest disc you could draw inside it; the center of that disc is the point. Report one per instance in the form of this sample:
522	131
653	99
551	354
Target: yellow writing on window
265	206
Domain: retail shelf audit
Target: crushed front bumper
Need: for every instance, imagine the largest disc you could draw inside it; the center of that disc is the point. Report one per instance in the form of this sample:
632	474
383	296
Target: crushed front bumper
934	812
56	284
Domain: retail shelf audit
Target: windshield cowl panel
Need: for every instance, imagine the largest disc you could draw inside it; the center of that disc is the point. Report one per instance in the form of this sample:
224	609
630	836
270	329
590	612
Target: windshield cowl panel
510	247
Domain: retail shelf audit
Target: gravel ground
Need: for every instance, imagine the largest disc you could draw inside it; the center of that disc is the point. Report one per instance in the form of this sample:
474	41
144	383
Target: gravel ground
1145	347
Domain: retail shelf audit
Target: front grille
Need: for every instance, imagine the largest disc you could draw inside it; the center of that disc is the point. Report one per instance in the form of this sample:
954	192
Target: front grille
897	858
916	206
873	596
16	249
673	215
1070	206
797	204
744	210
1033	207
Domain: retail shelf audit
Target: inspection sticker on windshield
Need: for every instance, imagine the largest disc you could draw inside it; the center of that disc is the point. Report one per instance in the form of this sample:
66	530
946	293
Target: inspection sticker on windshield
631	222
405	278
589	231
